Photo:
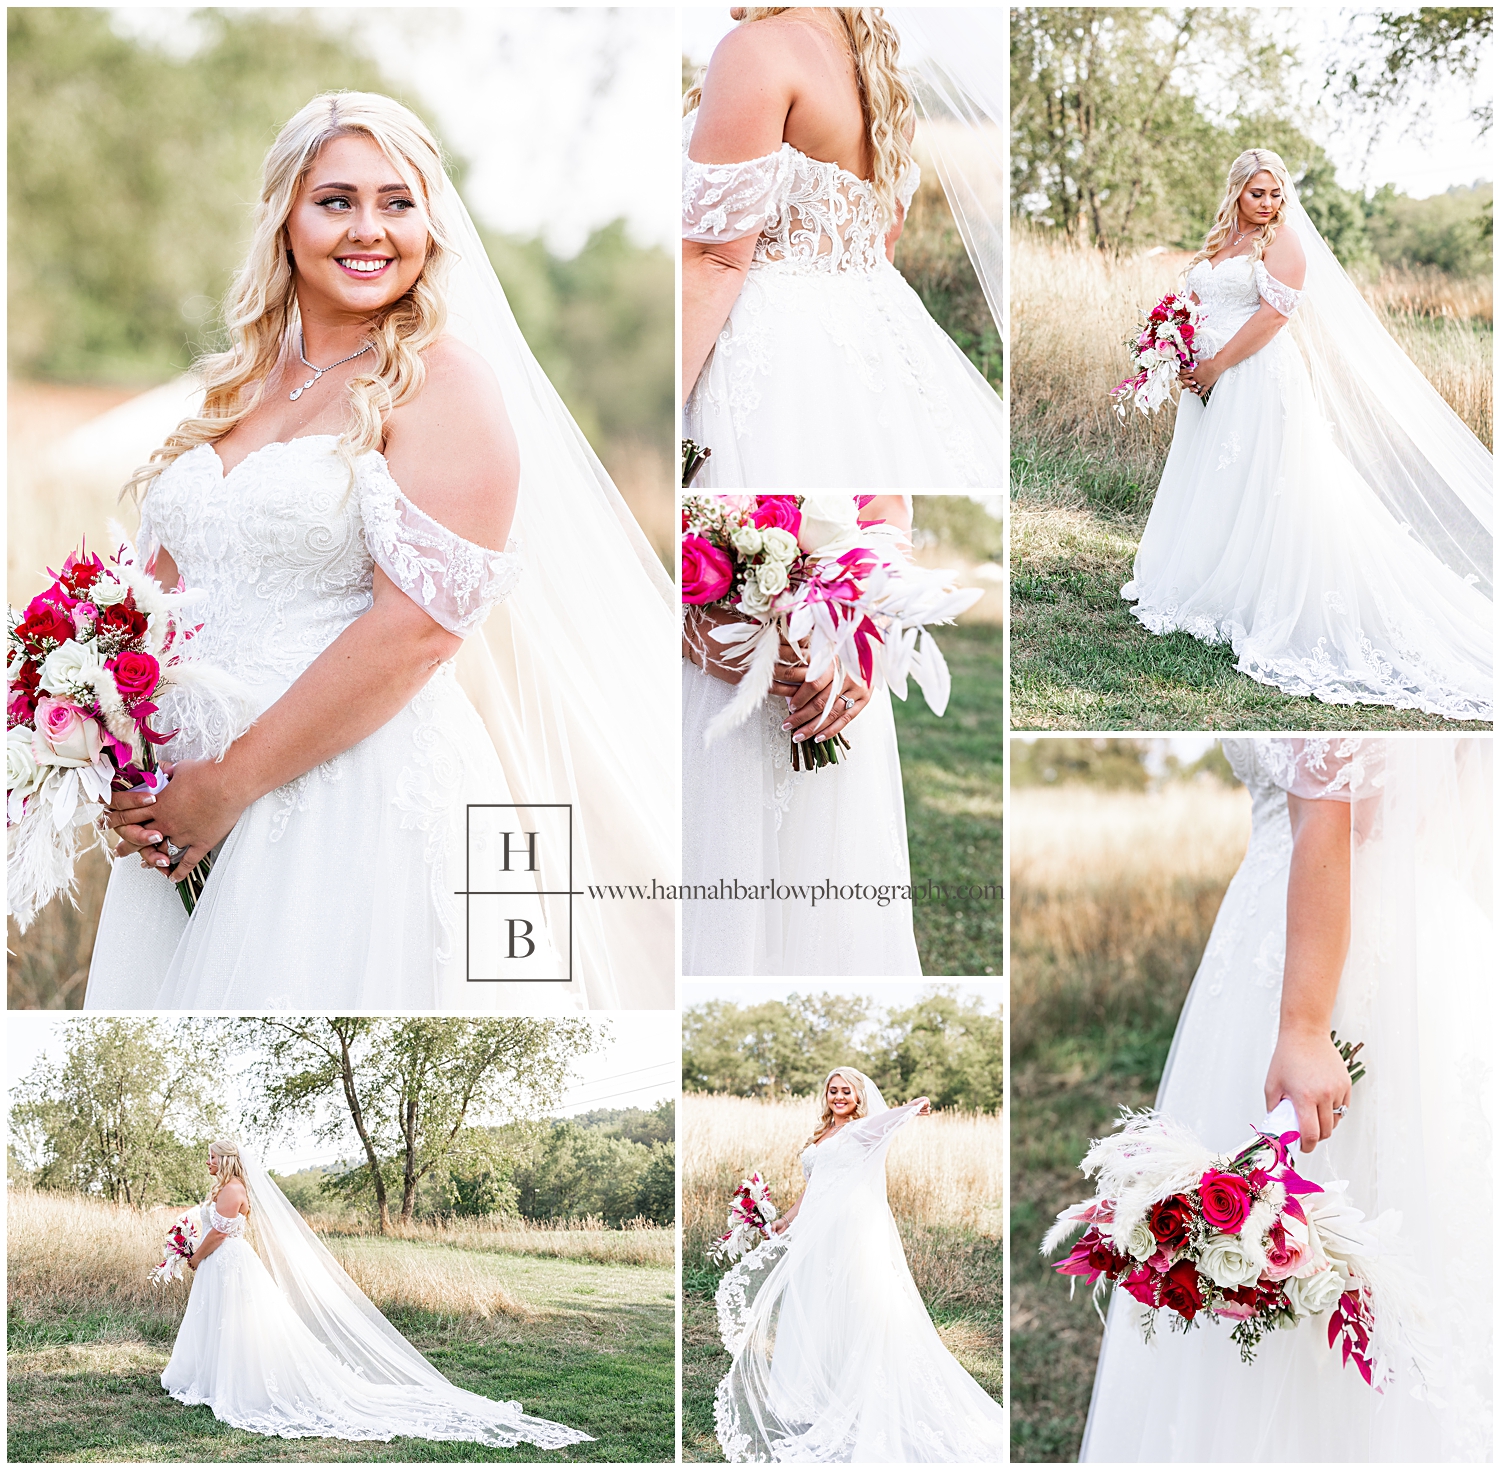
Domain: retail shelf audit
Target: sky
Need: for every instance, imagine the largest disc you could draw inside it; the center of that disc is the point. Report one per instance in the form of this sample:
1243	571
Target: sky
1446	150
568	117
637	1068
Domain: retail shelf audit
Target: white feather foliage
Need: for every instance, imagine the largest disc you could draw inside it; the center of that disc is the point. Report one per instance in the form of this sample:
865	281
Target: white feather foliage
759	653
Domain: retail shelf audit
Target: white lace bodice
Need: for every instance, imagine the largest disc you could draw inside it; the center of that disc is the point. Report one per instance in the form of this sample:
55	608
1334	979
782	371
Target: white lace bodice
810	216
283	552
1231	293
809	1158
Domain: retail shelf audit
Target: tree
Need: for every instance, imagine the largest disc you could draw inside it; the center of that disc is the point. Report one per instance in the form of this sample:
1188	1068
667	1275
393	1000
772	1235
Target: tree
411	1089
1118	764
127	1112
581	1172
947	1047
771	1049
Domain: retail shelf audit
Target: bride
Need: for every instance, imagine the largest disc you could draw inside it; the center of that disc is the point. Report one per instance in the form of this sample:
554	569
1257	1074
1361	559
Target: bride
1363	907
807	359
835	1357
409	557
760	828
290	1346
1323	511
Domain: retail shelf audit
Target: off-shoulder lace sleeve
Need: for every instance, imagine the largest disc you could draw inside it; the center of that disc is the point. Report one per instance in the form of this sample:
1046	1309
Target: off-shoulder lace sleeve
226	1224
728	201
1324	768
1274	292
453	581
907	185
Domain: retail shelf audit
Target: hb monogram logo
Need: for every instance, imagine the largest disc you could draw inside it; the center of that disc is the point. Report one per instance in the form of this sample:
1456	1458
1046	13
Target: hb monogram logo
518	891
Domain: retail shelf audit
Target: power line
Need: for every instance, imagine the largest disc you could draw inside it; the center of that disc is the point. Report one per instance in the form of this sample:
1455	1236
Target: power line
595	1081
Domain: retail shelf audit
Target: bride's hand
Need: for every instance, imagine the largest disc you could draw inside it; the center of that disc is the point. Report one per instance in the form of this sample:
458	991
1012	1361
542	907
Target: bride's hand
805	708
925	1109
707	652
1307	1068
780	1223
194	813
1203	376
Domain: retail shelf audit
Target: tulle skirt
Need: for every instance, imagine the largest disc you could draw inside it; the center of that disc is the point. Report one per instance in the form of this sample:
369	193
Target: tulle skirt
1263	535
1416	1141
841	380
338	889
245	1353
818	837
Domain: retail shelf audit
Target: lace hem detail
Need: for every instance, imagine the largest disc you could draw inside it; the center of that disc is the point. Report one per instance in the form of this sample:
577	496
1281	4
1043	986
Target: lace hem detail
734	1294
1275	293
454	581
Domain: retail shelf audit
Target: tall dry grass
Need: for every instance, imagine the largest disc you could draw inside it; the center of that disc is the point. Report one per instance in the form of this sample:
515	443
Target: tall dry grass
1112	897
1073	309
944	1174
69	1255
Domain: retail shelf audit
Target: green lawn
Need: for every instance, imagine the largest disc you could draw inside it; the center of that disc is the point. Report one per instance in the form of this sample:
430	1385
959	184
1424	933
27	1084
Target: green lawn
951	772
1079	661
597	1353
967	1314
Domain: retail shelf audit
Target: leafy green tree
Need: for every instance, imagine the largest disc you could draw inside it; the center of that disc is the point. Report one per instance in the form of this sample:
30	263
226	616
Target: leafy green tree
126	1113
771	1049
1102	761
581	1172
1451	232
410	1090
947	1047
656	1192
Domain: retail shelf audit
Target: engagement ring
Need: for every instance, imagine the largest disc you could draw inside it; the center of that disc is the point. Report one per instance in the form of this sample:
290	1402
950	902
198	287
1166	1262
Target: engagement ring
1339	1112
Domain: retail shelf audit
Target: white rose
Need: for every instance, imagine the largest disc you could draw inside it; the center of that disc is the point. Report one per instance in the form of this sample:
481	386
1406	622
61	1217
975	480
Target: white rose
1229	1261
777	544
746	540
65	736
68	667
1310	1295
771	575
1140	1244
22	774
753	600
107	591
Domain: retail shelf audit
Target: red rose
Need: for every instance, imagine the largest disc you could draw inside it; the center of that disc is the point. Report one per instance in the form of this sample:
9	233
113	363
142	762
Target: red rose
135	674
1171	1221
122	620
45	624
777	510
1180	1290
1093	1257
1142	1284
84	574
706	571
1226	1200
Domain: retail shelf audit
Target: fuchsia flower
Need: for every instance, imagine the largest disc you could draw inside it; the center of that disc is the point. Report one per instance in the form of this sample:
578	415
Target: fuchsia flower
136	674
780	511
706	571
1226	1200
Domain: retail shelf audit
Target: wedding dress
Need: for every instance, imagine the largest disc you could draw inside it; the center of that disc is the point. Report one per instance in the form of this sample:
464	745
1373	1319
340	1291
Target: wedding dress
1292	520
829	371
764	837
297	1350
365	883
835	1358
1418	991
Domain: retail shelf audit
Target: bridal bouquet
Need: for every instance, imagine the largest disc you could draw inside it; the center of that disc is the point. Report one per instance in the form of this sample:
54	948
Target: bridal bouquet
86	664
1243	1238
750	1216
185	1236
1162	349
814	581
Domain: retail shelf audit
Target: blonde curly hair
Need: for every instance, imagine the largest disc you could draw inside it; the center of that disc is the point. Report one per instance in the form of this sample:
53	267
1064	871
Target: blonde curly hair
884	97
227	1152
260	311
862	1109
1241	171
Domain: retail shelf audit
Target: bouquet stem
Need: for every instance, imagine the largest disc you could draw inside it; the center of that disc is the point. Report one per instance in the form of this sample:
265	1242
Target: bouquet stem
694	457
190	890
814	754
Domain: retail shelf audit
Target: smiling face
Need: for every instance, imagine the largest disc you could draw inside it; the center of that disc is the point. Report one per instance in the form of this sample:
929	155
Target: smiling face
1259	200
357	234
213	1162
843	1099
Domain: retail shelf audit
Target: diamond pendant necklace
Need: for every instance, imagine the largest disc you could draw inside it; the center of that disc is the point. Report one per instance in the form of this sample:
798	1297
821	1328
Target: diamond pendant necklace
318	372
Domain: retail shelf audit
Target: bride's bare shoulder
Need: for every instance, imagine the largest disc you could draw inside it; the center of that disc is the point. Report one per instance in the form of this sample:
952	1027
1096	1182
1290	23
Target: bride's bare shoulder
230	1198
1286	259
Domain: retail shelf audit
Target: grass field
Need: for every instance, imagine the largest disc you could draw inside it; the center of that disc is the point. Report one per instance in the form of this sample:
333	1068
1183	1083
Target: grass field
1082	482
574	1340
945	1180
951	772
1113	895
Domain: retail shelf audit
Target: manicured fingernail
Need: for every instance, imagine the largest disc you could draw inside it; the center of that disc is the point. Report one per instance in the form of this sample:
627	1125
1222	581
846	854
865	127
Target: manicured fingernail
799	736
153	837
163	862
786	724
148	801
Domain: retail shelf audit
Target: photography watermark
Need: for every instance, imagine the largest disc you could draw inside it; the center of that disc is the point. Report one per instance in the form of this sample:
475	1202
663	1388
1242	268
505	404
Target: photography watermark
732	890
515	855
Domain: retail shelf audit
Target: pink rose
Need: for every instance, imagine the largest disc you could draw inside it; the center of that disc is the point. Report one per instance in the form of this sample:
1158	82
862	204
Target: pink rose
706	571
1226	1200
65	736
135	674
777	510
1290	1251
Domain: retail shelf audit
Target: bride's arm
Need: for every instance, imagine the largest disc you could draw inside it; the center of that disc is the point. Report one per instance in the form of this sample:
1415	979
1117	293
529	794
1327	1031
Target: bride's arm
453	453
1306	1066
746	97
1286	261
